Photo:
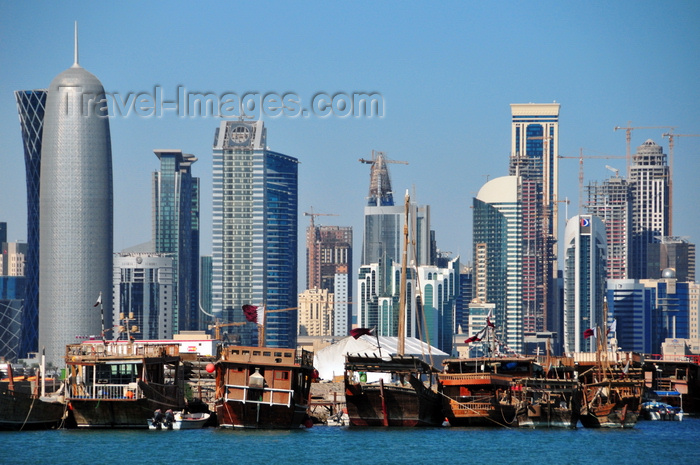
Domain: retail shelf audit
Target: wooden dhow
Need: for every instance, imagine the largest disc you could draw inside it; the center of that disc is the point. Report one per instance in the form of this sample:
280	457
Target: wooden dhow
405	391
550	398
22	407
120	384
263	387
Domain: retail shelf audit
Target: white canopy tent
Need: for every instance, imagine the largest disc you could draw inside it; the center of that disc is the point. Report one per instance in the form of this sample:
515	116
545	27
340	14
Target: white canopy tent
330	361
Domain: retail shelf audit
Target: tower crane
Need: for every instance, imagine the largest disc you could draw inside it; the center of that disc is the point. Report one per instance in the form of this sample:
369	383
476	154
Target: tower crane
261	324
312	215
380	192
376	154
628	134
670	136
580	171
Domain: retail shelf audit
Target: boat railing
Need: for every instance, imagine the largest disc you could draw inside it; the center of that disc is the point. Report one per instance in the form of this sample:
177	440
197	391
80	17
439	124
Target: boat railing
129	391
673	358
471	404
242	393
122	349
488	377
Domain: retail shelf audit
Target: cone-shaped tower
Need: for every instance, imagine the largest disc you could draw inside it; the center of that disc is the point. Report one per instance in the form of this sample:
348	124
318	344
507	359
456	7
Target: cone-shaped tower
76	212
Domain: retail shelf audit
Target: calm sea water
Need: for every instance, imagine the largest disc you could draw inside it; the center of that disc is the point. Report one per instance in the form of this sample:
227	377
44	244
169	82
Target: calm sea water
648	442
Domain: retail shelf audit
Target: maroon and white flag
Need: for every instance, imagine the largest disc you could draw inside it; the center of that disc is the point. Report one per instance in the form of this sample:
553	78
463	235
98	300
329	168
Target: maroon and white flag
357	332
251	313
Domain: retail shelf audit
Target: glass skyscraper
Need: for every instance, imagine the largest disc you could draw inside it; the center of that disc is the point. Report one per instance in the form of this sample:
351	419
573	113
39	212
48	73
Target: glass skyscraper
31	105
498	256
585	271
255	211
176	231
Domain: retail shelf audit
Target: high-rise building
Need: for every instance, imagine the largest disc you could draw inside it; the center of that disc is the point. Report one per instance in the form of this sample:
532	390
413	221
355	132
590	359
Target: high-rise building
205	290
143	295
631	305
585	252
611	201
328	262
498	257
534	156
671	314
327	247
316	312
437	290
31	105
464	298
255	213
76	224
694	316
382	250
3	232
342	307
677	253
176	231
649	182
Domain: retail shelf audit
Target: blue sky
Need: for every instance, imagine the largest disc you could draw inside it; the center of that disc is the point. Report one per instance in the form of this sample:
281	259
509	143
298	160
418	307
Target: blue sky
447	73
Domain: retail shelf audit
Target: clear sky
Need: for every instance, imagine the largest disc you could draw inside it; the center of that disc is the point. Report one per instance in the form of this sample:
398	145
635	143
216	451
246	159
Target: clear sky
446	72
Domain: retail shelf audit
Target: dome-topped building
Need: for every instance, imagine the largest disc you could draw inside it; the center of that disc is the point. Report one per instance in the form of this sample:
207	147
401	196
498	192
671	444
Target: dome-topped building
76	205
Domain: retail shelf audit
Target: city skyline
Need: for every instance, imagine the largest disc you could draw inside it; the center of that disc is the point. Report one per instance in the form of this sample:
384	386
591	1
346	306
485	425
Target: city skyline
464	75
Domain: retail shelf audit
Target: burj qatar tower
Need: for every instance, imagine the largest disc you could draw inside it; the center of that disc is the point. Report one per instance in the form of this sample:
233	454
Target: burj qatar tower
76	212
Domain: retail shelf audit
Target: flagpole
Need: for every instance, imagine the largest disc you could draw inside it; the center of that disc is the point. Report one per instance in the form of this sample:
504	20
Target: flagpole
376	334
102	316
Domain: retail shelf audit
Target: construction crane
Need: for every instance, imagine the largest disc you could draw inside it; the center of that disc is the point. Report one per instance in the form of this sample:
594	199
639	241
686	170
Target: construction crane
313	215
628	134
614	170
261	325
670	136
580	171
376	154
380	192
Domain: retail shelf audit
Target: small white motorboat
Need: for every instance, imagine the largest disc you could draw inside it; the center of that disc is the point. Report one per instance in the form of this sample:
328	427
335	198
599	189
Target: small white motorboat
181	421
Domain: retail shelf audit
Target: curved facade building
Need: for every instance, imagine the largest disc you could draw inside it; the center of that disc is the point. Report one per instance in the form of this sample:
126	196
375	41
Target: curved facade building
31	105
76	212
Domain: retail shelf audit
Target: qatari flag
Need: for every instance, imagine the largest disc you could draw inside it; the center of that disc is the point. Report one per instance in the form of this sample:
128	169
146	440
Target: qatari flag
357	332
588	333
250	312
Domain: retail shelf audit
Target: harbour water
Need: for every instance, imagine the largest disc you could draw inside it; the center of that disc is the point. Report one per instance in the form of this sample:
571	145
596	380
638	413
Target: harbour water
648	442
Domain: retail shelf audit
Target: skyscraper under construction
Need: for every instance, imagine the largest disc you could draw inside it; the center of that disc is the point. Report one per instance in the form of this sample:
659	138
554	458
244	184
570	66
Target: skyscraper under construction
534	157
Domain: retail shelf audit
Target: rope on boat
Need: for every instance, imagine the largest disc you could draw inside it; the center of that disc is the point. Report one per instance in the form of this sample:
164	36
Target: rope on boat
505	424
28	413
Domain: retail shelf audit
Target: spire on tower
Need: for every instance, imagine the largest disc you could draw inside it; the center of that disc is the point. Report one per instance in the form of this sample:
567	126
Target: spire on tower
75	51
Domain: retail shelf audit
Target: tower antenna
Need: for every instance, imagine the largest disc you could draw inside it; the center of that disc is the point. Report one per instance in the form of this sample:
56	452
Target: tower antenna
75	50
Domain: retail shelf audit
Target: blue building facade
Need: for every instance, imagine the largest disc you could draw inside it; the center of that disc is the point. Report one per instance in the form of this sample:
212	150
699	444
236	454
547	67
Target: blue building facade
176	231
31	105
647	312
630	306
255	212
498	256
